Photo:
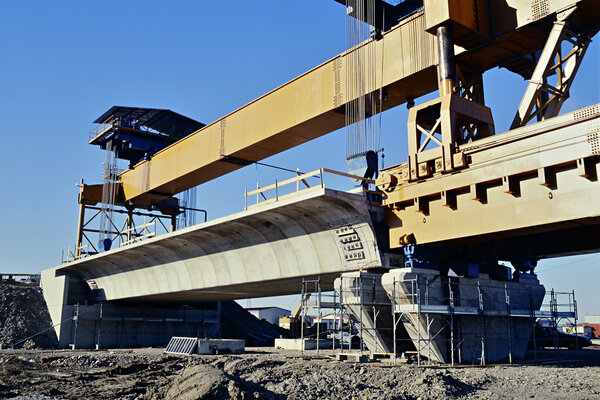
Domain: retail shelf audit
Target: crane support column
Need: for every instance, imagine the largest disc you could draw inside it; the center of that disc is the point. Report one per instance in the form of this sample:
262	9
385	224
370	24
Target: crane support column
447	64
437	128
80	225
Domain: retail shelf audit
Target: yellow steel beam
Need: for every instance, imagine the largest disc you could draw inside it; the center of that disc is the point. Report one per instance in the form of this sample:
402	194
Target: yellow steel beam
301	110
312	105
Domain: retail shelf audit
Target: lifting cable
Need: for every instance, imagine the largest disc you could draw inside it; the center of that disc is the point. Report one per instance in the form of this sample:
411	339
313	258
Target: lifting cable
361	79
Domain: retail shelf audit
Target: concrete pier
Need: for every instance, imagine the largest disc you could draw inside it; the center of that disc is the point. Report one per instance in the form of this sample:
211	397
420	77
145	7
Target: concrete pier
461	319
369	307
82	323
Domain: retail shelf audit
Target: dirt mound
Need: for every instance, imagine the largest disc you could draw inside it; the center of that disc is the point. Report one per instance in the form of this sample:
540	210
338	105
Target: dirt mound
23	313
202	382
237	323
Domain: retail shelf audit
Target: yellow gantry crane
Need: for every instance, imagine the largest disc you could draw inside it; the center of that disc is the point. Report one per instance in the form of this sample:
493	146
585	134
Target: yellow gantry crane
462	181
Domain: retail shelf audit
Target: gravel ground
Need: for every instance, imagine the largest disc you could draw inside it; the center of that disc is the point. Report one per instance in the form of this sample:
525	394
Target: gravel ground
264	373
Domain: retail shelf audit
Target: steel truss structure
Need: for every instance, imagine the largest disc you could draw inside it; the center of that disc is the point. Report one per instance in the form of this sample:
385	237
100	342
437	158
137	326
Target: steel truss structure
134	227
543	99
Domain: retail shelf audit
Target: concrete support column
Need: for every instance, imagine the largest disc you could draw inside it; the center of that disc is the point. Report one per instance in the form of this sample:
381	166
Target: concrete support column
365	300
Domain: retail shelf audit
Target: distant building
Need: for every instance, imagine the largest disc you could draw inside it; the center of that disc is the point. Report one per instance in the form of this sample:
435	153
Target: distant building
592	319
593	322
270	314
582	329
331	321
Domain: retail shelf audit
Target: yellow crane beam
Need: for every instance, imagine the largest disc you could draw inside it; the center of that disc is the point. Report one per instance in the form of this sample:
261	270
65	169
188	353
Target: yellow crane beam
303	109
312	104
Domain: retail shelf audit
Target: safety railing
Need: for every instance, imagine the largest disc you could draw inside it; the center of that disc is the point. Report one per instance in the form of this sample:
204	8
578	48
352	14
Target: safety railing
281	189
74	253
99	130
429	295
102	128
139	233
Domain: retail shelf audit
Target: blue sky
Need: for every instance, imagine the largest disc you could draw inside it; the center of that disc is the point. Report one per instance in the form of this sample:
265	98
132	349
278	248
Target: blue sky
64	63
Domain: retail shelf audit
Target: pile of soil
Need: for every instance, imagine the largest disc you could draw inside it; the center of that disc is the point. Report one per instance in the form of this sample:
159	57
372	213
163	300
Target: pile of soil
23	314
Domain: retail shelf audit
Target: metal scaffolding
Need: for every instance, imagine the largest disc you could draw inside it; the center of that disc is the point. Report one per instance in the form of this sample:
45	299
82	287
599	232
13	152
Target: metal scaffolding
105	325
126	227
310	288
562	312
444	327
363	298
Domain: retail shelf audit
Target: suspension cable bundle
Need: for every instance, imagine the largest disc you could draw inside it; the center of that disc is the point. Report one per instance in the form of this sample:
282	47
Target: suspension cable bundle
362	131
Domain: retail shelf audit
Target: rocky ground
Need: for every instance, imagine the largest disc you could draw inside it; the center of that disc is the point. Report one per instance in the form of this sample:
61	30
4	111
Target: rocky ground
23	314
28	372
264	373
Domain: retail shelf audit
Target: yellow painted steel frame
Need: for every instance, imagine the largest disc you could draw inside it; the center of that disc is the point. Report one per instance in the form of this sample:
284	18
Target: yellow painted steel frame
531	180
301	110
312	105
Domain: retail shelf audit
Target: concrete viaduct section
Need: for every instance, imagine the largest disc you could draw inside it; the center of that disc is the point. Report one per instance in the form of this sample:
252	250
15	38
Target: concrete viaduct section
263	251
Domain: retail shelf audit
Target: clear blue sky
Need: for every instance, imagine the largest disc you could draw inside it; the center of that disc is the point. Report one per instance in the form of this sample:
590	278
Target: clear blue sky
64	63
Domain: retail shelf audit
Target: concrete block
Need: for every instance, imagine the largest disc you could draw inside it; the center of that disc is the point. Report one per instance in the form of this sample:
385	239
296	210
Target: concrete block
359	358
379	356
220	346
352	357
302	344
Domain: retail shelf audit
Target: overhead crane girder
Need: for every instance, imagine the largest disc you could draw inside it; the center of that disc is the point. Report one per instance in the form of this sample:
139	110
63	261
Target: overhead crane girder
312	104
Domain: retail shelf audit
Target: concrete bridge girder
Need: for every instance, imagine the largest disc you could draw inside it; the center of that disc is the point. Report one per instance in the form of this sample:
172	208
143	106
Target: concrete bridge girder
264	251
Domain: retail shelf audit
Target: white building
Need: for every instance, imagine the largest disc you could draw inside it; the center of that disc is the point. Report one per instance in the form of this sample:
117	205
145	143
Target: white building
270	314
331	321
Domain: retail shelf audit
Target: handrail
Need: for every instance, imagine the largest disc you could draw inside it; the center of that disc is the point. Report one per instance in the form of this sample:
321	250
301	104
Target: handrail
297	179
360	178
138	233
141	228
99	130
106	125
283	183
74	253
